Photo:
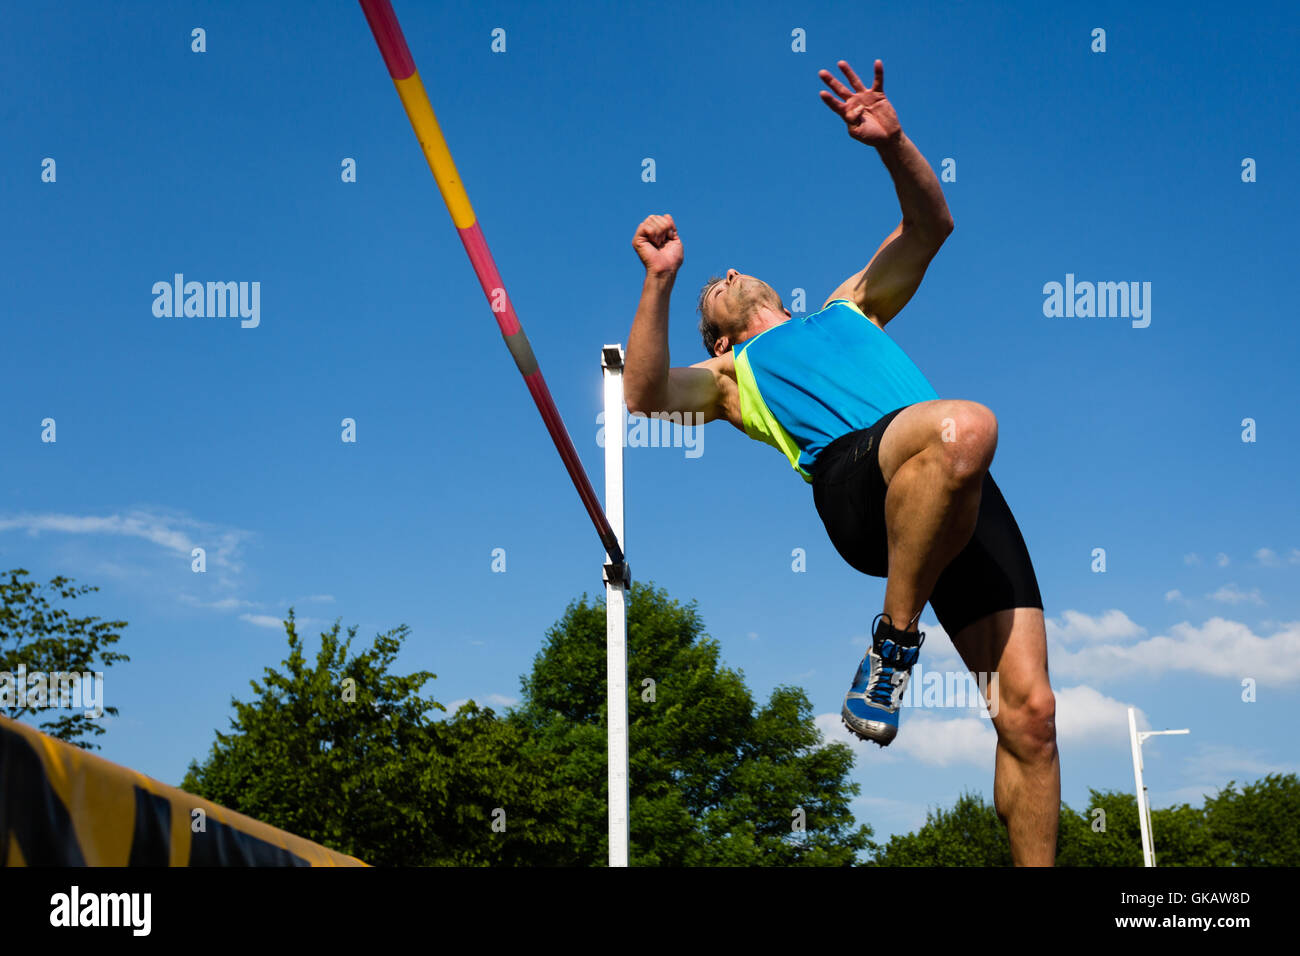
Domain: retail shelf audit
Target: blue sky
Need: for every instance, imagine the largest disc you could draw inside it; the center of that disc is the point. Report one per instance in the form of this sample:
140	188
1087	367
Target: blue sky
225	166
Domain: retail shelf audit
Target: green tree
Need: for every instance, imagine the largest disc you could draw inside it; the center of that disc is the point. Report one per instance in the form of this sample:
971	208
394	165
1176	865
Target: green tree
970	834
713	780
50	640
1258	825
497	792
1105	833
1180	836
347	754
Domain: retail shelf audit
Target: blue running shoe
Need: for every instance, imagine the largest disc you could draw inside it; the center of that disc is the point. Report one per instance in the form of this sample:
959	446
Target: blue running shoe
871	705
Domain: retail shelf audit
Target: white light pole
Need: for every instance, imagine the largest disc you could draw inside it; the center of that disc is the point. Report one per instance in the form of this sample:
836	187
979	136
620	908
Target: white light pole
1143	802
617	580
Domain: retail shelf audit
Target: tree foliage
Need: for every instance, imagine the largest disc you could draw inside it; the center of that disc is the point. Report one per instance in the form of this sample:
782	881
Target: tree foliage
713	779
49	639
970	834
1257	825
343	752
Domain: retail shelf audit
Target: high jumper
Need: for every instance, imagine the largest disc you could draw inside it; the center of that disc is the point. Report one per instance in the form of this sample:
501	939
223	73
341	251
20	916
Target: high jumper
900	477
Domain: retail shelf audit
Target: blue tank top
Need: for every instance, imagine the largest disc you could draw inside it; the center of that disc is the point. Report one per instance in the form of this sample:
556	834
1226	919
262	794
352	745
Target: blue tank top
813	378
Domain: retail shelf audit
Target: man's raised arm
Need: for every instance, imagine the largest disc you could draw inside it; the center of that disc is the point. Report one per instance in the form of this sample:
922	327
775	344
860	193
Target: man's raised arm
895	271
649	384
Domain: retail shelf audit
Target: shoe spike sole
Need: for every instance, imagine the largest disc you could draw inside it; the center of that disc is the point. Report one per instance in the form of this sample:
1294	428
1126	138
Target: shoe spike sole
860	737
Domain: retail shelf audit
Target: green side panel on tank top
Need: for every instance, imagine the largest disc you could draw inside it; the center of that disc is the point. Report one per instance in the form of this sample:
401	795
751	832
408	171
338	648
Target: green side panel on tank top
760	424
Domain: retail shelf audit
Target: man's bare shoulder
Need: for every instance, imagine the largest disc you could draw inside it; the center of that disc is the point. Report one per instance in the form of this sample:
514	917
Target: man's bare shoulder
723	368
725	363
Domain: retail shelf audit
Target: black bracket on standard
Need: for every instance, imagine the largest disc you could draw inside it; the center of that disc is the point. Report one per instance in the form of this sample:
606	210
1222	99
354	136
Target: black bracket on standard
611	356
618	574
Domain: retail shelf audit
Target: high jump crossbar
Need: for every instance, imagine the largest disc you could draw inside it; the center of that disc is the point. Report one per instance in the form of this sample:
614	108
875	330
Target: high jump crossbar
401	67
397	57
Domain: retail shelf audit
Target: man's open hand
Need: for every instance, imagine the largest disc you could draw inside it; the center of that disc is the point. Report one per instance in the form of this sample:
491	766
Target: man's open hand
866	112
657	243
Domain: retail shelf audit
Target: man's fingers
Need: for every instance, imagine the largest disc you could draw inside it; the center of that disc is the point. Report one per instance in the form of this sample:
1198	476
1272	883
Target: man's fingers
657	230
831	81
657	227
832	102
879	85
853	77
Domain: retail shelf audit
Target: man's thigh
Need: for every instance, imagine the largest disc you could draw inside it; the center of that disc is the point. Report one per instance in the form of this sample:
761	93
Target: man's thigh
920	425
1011	644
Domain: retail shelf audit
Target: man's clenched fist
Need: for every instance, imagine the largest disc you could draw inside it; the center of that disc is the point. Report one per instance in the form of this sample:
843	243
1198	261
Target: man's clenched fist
657	243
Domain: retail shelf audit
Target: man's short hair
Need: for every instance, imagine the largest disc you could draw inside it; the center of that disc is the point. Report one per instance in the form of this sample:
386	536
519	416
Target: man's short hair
710	331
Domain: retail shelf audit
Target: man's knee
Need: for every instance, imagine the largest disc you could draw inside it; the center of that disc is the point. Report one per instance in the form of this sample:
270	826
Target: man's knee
1027	724
967	439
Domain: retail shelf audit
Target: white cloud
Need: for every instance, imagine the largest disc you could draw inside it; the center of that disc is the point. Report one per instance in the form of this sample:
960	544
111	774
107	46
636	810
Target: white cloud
938	651
1222	560
833	730
1174	595
173	533
271	622
947	663
1231	594
1219	648
264	620
1084	715
1192	558
934	632
1268	557
1077	626
922	737
943	743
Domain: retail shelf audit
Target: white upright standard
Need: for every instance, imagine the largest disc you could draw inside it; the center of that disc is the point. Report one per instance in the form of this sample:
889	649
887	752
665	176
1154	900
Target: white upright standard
617	580
1143	801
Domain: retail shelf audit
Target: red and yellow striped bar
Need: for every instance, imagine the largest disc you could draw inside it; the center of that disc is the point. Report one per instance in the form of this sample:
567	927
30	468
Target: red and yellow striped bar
397	57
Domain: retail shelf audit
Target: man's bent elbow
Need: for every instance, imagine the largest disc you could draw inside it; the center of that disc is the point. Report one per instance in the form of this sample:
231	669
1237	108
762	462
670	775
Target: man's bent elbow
938	232
639	404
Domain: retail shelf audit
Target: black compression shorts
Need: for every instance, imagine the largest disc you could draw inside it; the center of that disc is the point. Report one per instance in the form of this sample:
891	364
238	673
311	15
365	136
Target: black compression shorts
992	573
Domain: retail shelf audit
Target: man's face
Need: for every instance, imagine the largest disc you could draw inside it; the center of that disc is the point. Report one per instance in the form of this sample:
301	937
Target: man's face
731	304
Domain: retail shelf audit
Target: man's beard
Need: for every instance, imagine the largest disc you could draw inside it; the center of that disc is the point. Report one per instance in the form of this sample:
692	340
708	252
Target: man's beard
752	295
